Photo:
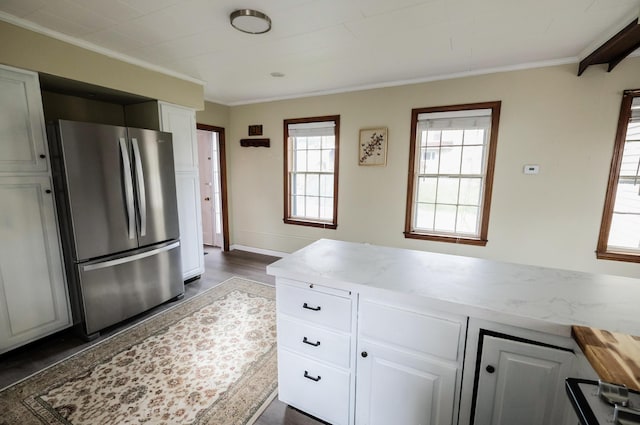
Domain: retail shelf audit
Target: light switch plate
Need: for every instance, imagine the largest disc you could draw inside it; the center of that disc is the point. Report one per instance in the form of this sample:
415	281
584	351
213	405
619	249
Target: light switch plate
531	169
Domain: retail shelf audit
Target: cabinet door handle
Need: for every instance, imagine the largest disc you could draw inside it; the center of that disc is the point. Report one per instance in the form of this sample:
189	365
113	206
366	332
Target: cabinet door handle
47	191
43	156
316	379
364	354
306	341
305	305
490	369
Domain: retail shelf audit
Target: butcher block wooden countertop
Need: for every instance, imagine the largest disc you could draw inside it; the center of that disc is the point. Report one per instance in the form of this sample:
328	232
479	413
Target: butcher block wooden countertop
614	356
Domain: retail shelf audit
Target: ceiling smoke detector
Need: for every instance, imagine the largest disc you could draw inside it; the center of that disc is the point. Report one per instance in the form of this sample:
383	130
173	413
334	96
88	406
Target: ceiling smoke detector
250	21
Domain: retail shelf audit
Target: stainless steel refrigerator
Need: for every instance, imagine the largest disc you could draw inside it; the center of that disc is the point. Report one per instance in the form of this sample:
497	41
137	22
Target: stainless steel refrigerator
116	198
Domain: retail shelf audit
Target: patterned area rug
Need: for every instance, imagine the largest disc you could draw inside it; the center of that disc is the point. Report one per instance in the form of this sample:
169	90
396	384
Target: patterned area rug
208	360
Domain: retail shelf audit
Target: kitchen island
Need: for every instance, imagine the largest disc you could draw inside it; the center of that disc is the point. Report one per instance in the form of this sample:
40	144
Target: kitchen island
416	320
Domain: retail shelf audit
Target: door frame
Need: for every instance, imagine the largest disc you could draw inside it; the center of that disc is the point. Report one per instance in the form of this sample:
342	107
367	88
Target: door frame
223	180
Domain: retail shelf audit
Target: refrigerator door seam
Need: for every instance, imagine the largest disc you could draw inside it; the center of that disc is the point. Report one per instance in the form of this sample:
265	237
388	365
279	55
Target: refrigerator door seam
140	185
123	260
128	187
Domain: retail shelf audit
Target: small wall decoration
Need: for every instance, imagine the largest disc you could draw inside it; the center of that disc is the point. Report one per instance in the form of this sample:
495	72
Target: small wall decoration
256	143
255	130
373	146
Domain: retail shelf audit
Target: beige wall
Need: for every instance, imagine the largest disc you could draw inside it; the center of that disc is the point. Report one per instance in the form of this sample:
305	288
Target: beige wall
214	114
30	50
550	117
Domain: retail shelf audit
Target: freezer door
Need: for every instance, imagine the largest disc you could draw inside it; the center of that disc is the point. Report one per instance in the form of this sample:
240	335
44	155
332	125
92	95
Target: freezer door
116	288
155	186
97	168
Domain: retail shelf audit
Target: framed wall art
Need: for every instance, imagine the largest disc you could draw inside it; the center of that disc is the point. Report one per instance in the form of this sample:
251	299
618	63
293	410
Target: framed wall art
373	146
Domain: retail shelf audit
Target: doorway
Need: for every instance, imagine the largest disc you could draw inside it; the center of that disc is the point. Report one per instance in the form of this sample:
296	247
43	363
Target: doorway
213	186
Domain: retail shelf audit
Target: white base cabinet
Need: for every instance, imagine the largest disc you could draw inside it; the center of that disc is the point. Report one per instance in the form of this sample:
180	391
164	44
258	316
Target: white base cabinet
315	349
33	293
349	358
409	364
521	383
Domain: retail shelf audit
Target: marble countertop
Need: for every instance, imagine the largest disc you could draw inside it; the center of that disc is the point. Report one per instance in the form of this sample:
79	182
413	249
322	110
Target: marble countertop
538	298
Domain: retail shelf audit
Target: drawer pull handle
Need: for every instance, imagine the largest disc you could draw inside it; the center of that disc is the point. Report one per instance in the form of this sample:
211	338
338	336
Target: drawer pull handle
305	305
306	341
316	379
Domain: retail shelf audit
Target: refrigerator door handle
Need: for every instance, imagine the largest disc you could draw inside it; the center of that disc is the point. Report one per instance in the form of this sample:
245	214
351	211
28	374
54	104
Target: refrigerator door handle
142	196
128	188
136	257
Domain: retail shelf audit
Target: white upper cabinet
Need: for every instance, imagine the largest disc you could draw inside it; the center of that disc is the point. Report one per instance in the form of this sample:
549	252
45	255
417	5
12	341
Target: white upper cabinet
22	133
181	122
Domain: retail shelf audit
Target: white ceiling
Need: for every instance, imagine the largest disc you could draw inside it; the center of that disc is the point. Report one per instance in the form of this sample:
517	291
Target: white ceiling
325	46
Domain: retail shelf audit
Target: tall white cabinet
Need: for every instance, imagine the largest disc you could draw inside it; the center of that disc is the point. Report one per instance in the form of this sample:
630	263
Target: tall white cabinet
34	299
181	122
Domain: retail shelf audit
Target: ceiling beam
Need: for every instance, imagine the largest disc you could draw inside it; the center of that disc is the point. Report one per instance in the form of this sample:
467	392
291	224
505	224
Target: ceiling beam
614	50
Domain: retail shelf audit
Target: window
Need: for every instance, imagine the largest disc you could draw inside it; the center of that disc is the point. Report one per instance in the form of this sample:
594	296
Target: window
620	229
451	164
311	171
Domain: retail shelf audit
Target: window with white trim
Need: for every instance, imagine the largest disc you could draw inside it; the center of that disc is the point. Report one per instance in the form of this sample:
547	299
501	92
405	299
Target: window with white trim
620	229
311	171
451	172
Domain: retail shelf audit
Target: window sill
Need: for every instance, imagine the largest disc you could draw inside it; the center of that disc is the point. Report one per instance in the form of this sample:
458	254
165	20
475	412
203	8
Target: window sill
618	256
322	224
449	239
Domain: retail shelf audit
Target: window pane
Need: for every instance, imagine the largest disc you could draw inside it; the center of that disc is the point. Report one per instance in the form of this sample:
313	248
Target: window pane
314	142
300	143
297	206
445	218
630	159
328	159
448	190
326	208
625	231
452	137
450	160
314	160
427	189
474	137
297	184
313	185
472	159
301	161
312	207
467	220
326	185
328	142
424	216
429	159
431	138
470	191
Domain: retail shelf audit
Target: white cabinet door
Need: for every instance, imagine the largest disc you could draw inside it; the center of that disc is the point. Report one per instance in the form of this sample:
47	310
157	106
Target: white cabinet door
33	295
521	383
181	122
22	134
398	387
189	217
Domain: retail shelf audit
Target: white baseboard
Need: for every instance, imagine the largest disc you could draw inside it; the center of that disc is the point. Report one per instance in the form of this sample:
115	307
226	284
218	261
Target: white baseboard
258	250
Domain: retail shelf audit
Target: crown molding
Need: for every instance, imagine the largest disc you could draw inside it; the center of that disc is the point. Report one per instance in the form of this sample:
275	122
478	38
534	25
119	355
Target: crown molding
31	26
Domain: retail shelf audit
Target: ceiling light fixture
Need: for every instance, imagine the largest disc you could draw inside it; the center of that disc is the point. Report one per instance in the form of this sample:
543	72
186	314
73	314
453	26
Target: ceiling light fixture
250	21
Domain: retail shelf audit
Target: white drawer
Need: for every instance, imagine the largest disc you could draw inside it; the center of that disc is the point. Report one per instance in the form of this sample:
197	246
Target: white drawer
314	341
316	307
313	387
416	331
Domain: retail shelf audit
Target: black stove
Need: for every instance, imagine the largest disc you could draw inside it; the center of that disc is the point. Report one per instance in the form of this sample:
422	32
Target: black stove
603	403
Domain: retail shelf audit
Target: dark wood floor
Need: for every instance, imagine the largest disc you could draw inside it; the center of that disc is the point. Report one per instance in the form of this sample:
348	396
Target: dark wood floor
219	266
